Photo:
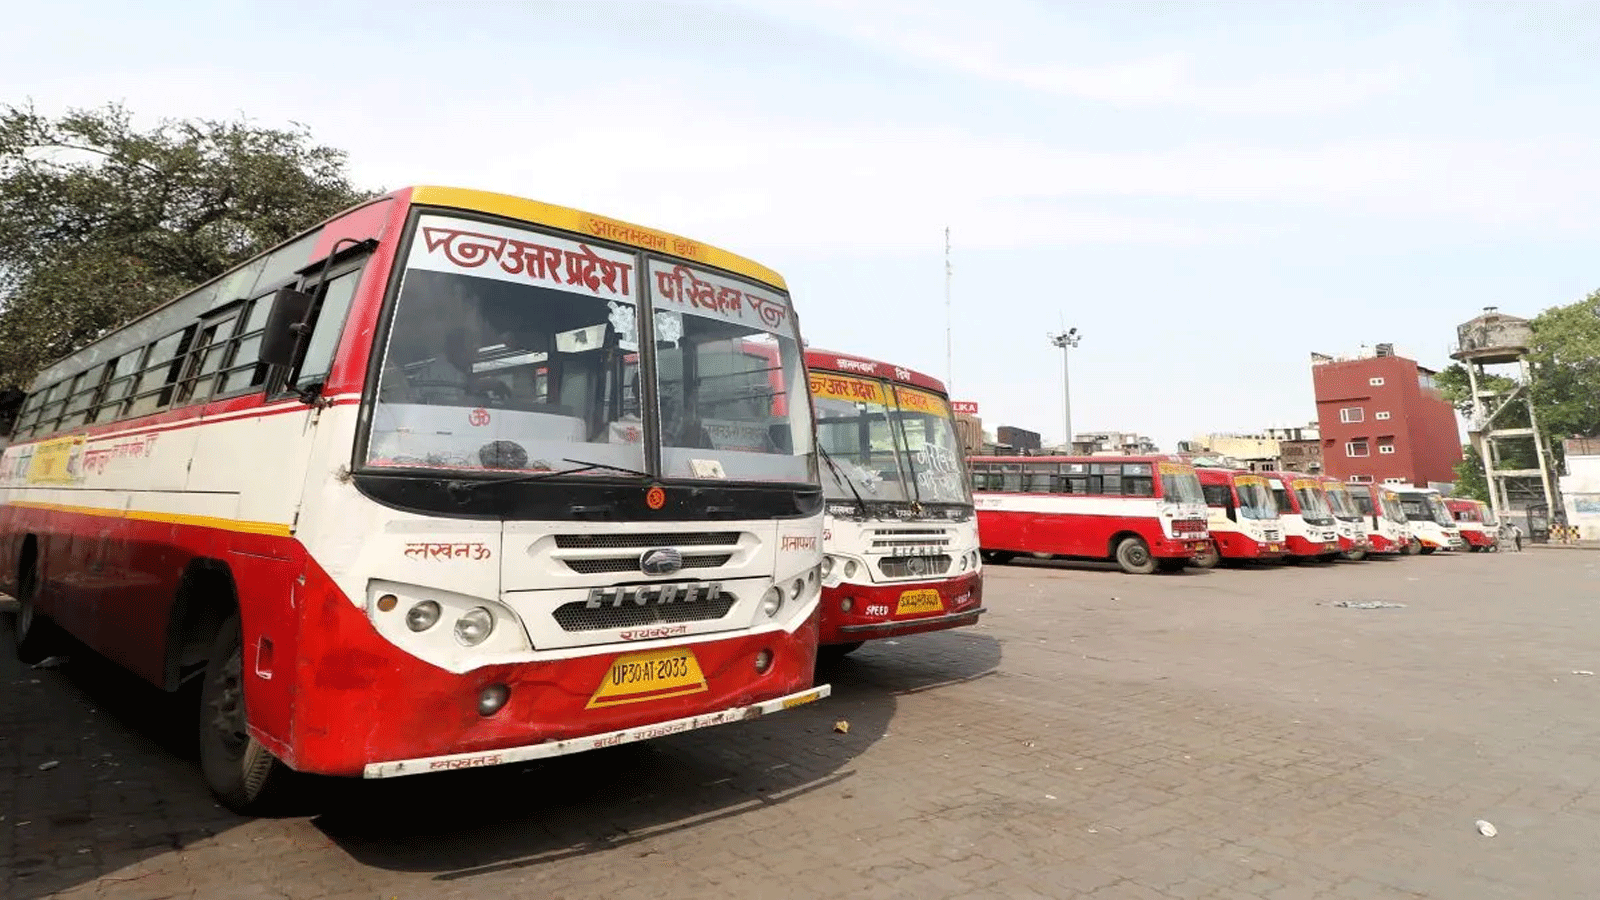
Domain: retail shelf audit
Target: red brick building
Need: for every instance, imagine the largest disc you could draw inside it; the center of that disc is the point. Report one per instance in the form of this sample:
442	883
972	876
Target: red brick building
1382	420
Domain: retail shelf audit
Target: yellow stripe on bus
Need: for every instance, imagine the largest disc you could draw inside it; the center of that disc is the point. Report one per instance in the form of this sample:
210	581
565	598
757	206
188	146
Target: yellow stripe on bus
274	529
582	222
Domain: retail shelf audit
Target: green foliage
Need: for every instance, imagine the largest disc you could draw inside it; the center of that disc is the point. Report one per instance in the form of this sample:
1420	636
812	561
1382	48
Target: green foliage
1470	480
1565	356
1457	388
100	221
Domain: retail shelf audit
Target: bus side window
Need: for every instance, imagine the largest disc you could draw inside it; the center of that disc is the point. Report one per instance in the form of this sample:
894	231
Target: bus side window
1105	479
1219	496
326	327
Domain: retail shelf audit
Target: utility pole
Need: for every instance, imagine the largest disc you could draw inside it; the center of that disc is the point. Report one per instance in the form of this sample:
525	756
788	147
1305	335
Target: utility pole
1066	340
949	330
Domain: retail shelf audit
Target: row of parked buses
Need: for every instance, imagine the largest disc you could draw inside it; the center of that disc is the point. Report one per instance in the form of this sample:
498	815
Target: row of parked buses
1156	513
457	479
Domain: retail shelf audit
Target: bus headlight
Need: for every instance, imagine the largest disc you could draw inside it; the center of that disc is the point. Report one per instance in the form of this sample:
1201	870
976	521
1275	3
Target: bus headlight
474	626
850	568
772	601
827	566
798	589
422	616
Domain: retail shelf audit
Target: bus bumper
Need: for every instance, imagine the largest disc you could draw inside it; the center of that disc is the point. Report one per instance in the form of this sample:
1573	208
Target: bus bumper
1299	546
548	749
1381	544
1235	545
1178	547
875	609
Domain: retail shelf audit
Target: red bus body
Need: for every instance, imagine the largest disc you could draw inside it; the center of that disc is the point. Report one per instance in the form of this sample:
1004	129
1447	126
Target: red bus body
146	529
1087	507
1309	533
908	563
1469	516
1236	535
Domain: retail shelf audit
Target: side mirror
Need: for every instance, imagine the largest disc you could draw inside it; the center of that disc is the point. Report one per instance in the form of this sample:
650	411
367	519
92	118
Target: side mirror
281	339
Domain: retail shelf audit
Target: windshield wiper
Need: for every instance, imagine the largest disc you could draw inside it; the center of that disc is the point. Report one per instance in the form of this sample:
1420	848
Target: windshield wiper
582	465
861	505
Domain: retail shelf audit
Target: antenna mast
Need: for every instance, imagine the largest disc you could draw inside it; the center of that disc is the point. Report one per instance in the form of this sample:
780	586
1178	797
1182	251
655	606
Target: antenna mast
949	339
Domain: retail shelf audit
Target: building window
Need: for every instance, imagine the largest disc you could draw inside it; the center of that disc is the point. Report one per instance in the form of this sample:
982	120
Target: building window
1355	448
1352	414
1360	479
1394	481
1375	382
1382	416
1386	449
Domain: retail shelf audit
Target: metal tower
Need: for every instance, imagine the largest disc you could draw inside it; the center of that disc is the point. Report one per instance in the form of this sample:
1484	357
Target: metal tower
1495	339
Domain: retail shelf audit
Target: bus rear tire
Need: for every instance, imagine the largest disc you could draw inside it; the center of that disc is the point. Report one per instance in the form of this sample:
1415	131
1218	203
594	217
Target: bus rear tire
1426	550
996	557
242	774
1356	555
1133	555
1412	547
1209	557
33	635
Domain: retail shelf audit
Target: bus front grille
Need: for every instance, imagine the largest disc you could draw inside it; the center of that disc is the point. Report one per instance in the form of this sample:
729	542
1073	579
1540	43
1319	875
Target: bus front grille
605	541
913	566
579	615
598	565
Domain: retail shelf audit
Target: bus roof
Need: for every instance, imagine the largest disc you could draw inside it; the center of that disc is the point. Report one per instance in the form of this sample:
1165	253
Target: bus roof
850	364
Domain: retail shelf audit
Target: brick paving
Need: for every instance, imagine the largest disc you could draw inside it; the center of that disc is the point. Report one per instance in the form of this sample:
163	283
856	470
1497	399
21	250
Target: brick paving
1211	734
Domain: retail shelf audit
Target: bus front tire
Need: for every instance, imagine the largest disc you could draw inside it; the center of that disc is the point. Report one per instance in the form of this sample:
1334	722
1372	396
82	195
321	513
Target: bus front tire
1133	555
244	775
1427	550
1412	548
997	557
1209	557
33	635
832	653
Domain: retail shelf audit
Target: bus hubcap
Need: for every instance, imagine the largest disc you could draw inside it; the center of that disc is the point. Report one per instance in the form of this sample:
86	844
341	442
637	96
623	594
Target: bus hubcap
227	705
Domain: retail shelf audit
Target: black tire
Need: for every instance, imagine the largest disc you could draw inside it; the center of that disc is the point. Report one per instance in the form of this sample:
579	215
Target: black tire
1209	557
33	635
244	775
1427	550
1133	555
1356	555
997	557
1412	548
1171	565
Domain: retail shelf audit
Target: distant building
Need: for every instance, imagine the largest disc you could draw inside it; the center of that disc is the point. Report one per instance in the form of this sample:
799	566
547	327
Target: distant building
1262	451
1301	456
1383	420
1019	440
1112	443
1580	487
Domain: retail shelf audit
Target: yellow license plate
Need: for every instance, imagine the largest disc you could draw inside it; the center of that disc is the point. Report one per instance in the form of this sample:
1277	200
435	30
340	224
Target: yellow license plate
919	601
649	675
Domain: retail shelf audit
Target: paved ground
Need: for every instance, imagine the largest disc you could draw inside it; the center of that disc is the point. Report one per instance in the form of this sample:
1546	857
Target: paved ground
1223	734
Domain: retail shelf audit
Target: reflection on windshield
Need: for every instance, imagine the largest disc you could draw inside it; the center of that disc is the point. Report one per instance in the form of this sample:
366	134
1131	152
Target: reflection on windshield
1255	501
1341	503
1363	502
892	443
1313	504
1392	508
1181	484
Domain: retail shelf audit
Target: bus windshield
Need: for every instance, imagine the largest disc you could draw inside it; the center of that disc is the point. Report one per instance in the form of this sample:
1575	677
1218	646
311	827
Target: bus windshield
511	350
1180	484
1340	502
1313	505
1393	510
1363	501
889	443
1255	500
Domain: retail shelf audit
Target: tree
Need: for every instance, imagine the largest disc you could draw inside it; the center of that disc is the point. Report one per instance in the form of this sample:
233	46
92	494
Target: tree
1470	480
1565	356
100	221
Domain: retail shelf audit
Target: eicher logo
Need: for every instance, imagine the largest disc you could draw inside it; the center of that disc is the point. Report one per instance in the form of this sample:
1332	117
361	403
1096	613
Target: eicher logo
660	561
653	595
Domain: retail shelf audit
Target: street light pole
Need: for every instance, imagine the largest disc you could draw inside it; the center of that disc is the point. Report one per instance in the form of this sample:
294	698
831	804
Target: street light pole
1066	340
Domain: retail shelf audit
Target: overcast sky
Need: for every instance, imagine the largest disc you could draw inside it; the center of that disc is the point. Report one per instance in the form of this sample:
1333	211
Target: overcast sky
1209	192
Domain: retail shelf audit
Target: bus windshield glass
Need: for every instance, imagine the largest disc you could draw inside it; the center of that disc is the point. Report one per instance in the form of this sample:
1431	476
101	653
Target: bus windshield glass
512	350
1181	484
1393	510
1363	501
932	449
1255	501
1313	505
1341	503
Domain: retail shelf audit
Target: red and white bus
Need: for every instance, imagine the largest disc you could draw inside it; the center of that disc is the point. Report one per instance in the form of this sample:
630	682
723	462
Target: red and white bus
1143	512
392	495
1243	517
1431	522
899	530
1309	528
1469	516
1348	520
1387	528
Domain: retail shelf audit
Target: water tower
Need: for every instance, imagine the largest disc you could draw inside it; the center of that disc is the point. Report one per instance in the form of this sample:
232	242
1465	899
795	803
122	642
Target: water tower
1496	339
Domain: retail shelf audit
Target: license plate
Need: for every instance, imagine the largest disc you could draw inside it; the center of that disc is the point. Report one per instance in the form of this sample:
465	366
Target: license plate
1273	548
919	601
649	675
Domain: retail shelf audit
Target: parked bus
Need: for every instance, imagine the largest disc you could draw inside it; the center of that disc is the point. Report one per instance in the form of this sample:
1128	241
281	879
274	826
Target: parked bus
899	530
1469	516
1431	522
1243	517
1351	525
1309	528
1143	512
1387	528
385	494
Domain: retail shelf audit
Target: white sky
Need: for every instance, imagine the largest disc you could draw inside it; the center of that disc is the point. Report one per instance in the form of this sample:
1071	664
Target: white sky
1209	192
